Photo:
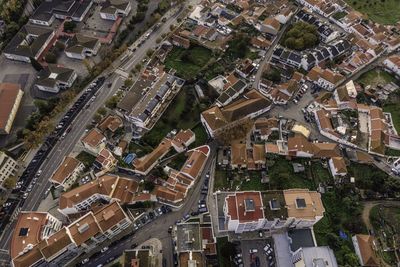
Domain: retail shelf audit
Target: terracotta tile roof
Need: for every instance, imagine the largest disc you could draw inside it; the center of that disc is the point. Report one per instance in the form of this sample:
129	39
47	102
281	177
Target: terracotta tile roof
365	244
271	148
66	168
314	73
200	30
144	163
245	206
112	186
299	143
55	243
313	204
324	119
339	164
195	163
260	42
168	194
181	41
326	150
105	158
93	138
29	258
28	230
238	153
84	228
8	97
182	138
259	153
109	216
111	122
274	23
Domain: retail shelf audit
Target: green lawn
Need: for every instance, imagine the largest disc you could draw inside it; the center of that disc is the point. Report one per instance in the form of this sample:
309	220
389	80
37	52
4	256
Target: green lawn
182	113
394	109
225	251
201	135
282	176
338	15
188	62
380	11
375	77
86	158
321	174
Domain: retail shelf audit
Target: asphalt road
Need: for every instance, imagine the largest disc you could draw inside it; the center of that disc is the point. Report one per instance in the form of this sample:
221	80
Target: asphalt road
158	228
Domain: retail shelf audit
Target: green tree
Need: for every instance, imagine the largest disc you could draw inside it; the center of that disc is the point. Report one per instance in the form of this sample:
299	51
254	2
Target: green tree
69	26
35	64
50	58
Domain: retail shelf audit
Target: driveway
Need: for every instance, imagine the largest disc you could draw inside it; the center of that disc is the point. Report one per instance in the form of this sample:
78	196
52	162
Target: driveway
259	245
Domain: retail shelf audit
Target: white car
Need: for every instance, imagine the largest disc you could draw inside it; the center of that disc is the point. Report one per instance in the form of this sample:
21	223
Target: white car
254	250
85	261
25	196
267	247
104	249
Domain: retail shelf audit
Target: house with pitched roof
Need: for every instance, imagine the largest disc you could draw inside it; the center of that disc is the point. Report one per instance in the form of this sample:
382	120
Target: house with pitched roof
54	78
10	99
67	173
29	42
182	140
337	165
365	247
112	9
94	141
81	46
270	26
392	64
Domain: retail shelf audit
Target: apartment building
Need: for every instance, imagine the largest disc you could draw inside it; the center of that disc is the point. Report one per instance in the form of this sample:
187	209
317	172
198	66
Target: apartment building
271	210
8	168
105	188
67	173
156	89
10	99
81	236
32	228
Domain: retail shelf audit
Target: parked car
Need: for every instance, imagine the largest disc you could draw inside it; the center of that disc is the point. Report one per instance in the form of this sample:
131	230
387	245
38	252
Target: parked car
253	250
104	249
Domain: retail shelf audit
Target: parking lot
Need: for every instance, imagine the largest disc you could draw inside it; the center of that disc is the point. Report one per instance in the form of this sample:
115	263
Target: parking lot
250	259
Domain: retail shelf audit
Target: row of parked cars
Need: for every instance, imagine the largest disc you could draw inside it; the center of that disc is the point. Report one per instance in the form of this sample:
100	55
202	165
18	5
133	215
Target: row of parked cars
32	172
303	89
150	216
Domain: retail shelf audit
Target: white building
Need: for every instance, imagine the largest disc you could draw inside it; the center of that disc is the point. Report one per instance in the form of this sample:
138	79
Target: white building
8	168
112	9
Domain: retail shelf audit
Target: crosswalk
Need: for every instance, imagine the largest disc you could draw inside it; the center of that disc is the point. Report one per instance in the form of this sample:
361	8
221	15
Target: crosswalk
122	73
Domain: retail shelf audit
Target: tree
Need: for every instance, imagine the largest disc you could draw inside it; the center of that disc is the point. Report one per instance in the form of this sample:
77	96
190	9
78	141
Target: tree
69	26
148	186
35	64
149	52
158	40
50	58
273	75
10	182
128	83
301	36
138	66
102	111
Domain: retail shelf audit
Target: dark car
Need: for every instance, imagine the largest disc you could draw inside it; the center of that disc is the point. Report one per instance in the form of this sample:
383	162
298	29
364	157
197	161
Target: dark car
257	261
151	215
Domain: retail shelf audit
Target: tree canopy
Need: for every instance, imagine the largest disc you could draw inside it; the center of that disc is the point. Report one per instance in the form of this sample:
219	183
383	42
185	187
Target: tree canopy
301	36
